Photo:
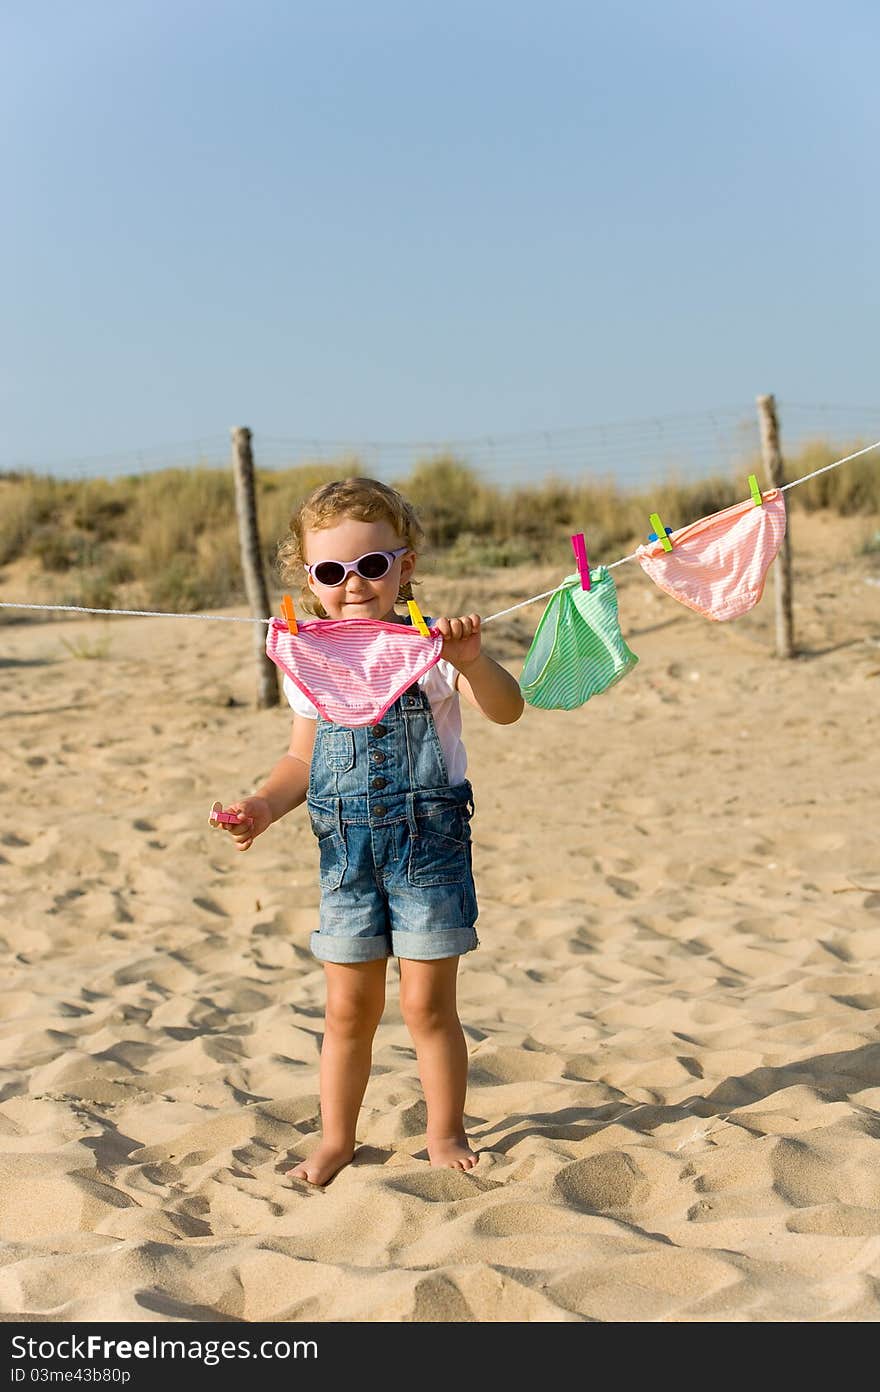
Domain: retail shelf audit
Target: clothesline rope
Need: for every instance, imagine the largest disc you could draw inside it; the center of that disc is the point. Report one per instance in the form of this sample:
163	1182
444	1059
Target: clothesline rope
234	618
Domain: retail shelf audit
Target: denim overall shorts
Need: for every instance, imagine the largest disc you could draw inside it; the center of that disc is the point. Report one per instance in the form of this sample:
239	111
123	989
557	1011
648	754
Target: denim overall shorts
394	840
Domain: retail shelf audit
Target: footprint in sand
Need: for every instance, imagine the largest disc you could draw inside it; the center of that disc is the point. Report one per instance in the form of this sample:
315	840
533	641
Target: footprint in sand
835	1220
611	1183
210	906
626	889
441	1186
438	1300
515	1219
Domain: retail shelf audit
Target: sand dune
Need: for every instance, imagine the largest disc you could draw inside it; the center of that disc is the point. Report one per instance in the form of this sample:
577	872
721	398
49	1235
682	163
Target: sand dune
672	1018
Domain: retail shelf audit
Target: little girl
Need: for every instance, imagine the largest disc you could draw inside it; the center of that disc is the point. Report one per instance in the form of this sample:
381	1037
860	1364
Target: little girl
390	806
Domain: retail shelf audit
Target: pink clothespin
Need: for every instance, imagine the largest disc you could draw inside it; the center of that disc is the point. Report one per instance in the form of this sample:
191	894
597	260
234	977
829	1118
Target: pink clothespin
220	818
579	547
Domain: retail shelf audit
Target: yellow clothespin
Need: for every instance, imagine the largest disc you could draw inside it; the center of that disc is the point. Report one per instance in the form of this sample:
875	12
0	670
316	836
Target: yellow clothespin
757	497
660	532
415	614
287	613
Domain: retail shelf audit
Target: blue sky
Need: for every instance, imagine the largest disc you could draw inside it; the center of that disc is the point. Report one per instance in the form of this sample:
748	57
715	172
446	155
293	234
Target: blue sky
396	221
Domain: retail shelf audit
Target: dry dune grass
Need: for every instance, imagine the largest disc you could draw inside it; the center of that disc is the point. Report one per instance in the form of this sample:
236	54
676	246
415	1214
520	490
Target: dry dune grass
169	541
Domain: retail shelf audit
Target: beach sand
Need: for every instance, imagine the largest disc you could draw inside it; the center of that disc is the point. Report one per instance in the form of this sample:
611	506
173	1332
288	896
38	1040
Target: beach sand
671	1019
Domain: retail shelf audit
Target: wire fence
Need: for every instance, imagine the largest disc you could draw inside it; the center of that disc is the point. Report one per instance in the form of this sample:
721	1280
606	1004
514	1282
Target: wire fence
630	454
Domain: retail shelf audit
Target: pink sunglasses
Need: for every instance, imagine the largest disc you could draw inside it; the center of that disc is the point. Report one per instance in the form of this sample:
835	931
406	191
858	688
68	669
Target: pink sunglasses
371	566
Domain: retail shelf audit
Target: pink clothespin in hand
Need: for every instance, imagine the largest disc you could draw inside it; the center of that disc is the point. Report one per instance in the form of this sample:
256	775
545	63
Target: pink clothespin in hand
220	818
579	547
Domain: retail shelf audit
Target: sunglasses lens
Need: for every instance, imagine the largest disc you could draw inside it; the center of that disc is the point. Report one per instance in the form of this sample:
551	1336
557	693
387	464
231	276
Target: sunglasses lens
374	566
328	573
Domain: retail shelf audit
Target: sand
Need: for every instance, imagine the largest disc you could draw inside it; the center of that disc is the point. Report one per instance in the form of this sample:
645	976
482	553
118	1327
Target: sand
672	1017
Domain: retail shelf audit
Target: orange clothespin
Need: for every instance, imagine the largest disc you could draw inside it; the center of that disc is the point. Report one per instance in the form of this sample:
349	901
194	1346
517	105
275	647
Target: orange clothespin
415	614
287	613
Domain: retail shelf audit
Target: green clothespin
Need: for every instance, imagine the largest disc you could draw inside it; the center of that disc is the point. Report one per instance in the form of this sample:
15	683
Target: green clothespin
661	532
756	492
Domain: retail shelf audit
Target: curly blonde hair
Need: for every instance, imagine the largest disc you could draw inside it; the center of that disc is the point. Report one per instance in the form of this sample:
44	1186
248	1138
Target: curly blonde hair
364	499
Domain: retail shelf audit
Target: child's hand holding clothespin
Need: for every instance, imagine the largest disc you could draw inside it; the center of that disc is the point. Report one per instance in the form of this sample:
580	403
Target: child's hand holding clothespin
244	820
462	640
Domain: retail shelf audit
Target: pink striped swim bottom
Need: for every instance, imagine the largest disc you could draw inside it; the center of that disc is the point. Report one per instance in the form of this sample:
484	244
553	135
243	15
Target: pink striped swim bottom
719	564
352	670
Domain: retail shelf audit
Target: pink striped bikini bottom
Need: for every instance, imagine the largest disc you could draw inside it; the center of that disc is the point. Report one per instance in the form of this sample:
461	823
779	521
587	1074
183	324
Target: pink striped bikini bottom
352	670
718	565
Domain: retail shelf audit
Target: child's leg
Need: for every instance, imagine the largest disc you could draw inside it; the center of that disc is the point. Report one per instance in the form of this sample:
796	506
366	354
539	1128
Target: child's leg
355	1001
428	1005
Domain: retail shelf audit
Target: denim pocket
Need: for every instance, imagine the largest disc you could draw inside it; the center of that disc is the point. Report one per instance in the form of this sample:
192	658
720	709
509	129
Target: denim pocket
331	845
337	749
439	851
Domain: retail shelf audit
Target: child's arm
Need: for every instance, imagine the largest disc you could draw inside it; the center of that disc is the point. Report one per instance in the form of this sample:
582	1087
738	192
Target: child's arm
286	787
482	682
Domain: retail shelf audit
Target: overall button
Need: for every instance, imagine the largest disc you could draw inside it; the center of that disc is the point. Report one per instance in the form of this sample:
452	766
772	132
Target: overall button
379	731
378	757
379	810
379	783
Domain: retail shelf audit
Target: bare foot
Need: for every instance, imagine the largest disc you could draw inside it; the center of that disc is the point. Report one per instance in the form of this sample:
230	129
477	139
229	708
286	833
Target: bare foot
453	1152
323	1164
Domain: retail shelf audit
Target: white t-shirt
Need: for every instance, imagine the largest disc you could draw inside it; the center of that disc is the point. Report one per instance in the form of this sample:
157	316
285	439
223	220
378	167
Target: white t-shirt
439	685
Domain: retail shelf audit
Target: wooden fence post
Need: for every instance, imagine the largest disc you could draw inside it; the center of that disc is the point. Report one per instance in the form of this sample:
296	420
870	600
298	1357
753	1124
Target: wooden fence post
252	561
773	463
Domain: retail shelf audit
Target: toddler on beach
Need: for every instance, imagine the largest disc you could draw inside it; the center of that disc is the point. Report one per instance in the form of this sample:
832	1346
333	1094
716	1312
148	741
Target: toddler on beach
390	806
